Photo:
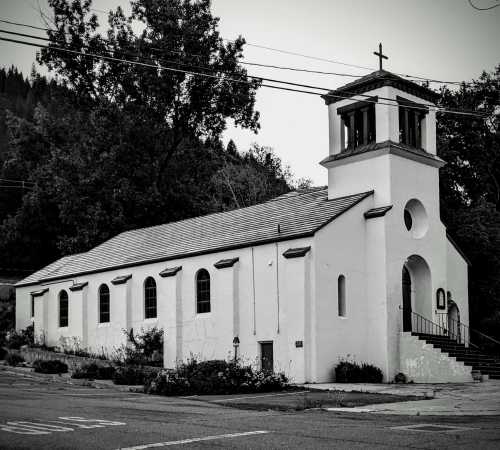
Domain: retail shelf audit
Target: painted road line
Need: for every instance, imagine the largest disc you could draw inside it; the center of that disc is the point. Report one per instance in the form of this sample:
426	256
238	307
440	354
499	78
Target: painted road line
258	396
22	430
349	409
200	439
70	423
40	426
432	428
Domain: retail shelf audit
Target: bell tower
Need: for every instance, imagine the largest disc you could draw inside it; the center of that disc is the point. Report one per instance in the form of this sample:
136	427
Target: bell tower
373	122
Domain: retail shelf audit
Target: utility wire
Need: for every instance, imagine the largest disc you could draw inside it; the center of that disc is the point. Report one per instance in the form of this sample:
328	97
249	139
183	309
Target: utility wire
233	80
483	9
12	186
410	77
16	181
260	79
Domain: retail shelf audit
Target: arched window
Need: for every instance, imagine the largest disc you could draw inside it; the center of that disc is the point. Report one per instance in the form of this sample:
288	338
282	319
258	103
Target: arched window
341	295
202	291
63	309
150	298
104	307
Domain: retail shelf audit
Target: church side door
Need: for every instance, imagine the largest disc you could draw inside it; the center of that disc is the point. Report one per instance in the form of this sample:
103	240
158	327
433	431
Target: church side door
266	356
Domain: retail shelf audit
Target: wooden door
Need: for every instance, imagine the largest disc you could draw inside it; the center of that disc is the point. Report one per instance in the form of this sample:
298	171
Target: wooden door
266	356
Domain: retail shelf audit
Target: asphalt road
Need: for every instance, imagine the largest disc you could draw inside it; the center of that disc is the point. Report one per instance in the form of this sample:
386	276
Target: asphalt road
41	415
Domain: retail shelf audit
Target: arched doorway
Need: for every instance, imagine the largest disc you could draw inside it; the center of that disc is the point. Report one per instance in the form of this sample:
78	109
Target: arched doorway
454	321
406	299
416	291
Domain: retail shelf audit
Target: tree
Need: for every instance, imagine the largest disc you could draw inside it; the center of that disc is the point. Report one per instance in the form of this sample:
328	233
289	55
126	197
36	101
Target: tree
92	169
178	36
470	189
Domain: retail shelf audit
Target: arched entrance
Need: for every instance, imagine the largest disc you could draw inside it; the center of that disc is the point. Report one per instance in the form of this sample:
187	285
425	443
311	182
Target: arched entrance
406	299
416	291
454	321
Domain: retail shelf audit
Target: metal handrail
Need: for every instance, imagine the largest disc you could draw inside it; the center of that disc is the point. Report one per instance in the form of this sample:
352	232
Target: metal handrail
460	332
426	326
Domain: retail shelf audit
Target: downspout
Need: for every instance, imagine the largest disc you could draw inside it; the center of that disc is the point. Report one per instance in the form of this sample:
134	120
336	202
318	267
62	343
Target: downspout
253	292
277	286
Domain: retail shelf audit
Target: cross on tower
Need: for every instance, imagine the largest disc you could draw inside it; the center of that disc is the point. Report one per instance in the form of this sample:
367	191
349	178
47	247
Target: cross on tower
380	56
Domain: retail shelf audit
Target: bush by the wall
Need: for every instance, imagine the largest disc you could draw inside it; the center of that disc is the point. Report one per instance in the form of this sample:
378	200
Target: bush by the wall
400	378
352	372
143	348
133	375
214	377
51	366
371	374
16	339
347	372
13	359
3	353
94	371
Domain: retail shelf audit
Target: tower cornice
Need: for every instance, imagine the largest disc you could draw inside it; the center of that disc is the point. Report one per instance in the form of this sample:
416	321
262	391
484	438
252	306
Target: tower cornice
376	80
382	148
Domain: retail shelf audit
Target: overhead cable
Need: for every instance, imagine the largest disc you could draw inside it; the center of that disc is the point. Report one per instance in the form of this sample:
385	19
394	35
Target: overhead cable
233	80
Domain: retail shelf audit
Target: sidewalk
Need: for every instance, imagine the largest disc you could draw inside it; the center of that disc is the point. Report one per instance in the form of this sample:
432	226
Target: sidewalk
453	399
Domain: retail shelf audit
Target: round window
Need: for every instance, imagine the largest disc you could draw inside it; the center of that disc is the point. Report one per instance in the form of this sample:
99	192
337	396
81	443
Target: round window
415	218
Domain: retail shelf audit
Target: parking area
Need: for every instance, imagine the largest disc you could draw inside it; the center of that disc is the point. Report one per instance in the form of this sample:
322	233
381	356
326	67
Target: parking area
56	415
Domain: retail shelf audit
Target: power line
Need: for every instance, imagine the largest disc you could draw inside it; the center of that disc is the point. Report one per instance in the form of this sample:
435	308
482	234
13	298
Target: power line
138	55
11	186
483	9
410	77
16	181
232	80
24	25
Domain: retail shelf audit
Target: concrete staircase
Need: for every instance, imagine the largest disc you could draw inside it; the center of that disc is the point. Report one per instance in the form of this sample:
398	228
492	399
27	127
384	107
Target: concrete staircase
486	364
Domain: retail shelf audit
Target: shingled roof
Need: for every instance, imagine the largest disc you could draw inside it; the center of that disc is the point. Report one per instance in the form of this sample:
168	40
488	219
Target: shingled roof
297	216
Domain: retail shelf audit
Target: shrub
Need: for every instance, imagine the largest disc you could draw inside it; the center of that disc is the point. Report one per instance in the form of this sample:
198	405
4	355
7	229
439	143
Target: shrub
13	359
16	339
94	371
214	377
50	366
400	378
144	348
133	375
3	353
371	374
352	372
347	372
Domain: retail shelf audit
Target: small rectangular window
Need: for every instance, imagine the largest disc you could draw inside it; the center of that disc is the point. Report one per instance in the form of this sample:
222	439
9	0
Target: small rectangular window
32	307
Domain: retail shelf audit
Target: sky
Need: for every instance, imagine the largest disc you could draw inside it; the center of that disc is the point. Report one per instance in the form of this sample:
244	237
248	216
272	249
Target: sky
438	39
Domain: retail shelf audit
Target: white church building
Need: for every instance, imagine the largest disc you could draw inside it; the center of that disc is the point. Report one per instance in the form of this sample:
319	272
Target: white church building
300	282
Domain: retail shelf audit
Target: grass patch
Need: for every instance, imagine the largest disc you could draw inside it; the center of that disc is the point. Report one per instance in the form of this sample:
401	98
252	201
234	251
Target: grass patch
300	401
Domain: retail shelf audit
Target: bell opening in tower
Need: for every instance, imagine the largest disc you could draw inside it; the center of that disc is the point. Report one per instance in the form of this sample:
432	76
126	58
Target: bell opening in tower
357	125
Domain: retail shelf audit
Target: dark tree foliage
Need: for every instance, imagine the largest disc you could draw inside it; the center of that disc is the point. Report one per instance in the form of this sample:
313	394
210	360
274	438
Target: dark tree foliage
177	36
470	190
114	146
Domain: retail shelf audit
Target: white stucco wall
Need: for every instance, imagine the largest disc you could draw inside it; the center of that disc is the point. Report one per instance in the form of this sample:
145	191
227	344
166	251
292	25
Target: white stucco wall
457	281
422	363
275	313
341	250
412	180
23	307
